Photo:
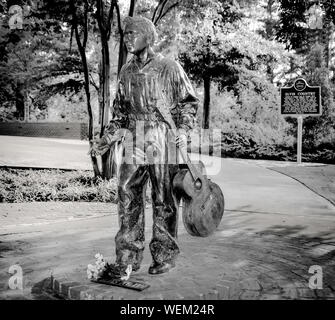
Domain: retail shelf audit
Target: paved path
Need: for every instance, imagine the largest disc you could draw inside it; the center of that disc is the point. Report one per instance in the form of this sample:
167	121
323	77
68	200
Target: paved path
44	153
320	179
274	229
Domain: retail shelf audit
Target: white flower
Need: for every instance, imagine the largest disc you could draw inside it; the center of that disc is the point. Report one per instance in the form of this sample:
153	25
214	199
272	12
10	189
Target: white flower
99	256
90	267
99	262
90	274
97	270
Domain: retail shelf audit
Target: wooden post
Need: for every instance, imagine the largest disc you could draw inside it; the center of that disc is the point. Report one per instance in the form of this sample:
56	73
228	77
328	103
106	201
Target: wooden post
299	141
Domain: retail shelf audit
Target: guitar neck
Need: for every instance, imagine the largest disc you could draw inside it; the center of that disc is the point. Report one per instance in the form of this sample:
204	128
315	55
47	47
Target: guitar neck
192	169
194	172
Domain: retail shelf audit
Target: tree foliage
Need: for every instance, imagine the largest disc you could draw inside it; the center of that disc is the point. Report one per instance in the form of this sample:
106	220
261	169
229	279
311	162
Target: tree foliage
319	130
222	46
238	51
36	60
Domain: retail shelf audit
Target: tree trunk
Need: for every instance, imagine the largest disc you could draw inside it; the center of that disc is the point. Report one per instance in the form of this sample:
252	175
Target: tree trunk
89	110
207	100
105	77
269	35
106	163
107	166
19	100
100	94
327	41
122	49
82	51
122	55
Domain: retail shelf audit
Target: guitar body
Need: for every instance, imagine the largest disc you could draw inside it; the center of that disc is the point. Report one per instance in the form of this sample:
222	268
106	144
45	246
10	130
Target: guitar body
203	202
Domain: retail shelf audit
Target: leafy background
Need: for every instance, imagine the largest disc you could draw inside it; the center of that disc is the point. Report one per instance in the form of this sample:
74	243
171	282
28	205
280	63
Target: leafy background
237	54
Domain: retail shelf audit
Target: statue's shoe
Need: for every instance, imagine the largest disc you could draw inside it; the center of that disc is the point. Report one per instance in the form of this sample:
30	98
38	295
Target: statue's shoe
116	271
164	267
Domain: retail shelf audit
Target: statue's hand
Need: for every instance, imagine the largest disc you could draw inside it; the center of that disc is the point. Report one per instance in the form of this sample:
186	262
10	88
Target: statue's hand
99	146
181	139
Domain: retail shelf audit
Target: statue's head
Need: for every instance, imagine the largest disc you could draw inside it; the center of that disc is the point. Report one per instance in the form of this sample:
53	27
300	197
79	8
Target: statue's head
139	33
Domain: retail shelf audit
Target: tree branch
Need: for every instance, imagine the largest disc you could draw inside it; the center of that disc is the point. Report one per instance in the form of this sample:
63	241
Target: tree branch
94	83
168	10
85	23
132	8
122	50
162	4
100	16
154	14
110	17
119	21
75	25
71	38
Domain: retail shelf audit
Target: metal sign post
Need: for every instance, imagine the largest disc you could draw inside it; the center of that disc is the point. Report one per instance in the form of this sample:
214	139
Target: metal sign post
300	101
299	142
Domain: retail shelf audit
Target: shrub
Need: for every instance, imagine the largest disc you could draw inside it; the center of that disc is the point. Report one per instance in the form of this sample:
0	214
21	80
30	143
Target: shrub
252	127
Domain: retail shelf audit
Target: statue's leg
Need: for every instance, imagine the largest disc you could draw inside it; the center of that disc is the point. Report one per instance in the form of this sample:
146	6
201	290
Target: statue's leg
163	246
129	240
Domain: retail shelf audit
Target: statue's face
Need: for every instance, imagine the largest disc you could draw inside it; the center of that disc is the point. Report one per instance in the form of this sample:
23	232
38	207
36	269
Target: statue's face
135	40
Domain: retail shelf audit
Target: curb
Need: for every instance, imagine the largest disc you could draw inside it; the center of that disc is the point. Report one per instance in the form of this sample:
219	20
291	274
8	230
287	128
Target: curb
64	288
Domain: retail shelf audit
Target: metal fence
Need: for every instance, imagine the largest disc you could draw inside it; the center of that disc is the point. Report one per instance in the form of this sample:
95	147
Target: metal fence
65	130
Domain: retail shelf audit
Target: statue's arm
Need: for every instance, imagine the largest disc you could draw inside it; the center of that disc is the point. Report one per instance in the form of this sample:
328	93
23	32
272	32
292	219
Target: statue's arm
183	100
119	118
112	133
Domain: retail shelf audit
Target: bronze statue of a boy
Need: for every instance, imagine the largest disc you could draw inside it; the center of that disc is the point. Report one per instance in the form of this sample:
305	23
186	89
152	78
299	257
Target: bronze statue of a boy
147	80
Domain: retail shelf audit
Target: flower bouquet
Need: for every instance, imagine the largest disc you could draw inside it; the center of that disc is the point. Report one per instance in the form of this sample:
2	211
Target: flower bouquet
103	270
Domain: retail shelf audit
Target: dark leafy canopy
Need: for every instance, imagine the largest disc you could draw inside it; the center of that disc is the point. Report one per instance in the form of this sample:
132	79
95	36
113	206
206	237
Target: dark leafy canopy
38	58
292	28
314	46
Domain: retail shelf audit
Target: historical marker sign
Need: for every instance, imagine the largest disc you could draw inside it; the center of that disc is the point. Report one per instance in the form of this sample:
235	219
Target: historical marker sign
301	100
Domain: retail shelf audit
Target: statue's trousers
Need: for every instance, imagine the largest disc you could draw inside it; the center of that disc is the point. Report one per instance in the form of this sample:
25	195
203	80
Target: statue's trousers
134	175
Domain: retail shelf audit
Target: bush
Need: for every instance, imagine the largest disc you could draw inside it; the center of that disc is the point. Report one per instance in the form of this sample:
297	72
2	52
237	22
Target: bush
252	128
18	185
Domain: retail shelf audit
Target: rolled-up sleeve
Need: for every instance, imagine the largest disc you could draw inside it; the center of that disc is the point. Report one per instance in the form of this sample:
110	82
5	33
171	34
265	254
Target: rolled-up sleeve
180	94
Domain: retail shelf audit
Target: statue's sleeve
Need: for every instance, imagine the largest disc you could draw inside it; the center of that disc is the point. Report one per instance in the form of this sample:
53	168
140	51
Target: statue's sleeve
119	118
181	97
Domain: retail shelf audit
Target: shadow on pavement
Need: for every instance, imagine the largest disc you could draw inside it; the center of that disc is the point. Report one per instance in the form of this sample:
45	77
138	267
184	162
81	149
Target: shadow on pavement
304	251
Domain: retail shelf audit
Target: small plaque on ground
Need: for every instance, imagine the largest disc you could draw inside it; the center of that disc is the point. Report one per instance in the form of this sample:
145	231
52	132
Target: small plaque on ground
134	285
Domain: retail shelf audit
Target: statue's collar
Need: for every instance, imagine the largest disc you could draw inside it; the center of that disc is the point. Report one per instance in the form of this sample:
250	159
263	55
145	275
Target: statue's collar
141	65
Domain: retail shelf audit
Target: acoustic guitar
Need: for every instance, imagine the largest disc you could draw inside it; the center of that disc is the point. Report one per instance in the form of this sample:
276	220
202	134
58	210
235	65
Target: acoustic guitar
203	200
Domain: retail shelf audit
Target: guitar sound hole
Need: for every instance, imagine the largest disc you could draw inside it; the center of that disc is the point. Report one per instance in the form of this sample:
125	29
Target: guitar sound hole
197	184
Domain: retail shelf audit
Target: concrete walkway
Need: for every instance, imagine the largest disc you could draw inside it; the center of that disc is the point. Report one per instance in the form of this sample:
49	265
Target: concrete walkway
44	153
274	229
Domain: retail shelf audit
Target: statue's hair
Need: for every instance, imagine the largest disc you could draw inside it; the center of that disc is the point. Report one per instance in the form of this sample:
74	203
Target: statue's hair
143	25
